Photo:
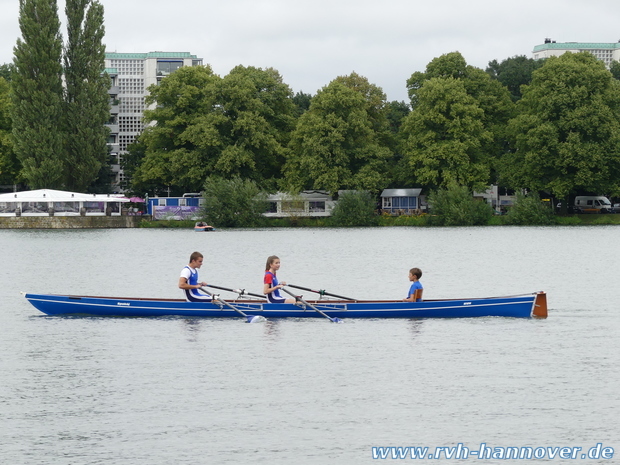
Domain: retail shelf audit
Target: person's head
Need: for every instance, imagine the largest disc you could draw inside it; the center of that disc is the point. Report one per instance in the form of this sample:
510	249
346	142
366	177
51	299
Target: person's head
272	261
415	272
195	260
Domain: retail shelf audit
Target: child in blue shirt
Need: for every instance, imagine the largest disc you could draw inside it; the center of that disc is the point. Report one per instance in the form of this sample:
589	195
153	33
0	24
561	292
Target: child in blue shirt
416	289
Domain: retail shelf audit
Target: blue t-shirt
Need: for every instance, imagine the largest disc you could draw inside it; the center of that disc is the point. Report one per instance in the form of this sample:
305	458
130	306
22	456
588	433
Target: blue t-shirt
415	285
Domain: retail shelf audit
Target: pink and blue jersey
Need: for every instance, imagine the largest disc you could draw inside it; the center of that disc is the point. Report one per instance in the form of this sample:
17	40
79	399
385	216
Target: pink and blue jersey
273	297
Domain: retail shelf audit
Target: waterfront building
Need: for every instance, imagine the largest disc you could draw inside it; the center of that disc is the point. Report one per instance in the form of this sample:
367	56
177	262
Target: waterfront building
606	52
311	203
131	75
50	202
402	201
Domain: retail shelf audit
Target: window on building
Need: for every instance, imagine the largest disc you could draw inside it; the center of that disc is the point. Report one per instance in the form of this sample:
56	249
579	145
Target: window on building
272	207
293	206
318	206
166	67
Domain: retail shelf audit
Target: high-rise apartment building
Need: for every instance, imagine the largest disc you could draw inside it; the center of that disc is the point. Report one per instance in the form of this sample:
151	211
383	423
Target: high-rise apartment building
606	52
131	75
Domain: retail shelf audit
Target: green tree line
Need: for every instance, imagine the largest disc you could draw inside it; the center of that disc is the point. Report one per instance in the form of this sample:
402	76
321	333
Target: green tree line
550	126
538	125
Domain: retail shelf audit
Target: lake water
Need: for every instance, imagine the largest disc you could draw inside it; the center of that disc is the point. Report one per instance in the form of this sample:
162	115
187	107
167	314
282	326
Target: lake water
158	391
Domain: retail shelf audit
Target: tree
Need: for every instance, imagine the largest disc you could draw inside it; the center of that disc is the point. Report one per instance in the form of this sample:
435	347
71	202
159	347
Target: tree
566	137
528	210
206	125
615	69
302	102
342	141
490	138
87	106
9	166
260	115
445	136
455	206
514	72
38	94
396	113
233	203
5	71
180	149
354	208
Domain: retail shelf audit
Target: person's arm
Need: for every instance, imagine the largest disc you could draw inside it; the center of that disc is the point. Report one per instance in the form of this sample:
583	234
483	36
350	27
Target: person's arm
183	284
267	289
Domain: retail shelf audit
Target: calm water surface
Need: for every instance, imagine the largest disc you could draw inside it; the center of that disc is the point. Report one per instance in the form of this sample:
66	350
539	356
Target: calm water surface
198	391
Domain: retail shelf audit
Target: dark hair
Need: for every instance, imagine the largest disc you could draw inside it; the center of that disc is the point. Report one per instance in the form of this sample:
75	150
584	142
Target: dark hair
416	272
195	256
270	260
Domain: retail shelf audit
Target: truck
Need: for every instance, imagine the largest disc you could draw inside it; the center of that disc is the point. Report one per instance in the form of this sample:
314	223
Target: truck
593	204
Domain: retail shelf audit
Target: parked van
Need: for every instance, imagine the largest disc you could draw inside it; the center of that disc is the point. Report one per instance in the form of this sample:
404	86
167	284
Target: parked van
593	204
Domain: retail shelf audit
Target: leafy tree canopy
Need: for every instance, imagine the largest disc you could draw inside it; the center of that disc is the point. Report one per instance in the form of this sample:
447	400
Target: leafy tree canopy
5	71
615	69
488	94
567	133
238	125
37	94
354	208
9	166
342	141
233	202
302	102
514	72
445	136
86	106
455	206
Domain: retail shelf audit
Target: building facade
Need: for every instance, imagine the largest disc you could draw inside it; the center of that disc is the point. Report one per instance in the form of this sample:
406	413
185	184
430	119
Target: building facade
131	75
402	201
606	52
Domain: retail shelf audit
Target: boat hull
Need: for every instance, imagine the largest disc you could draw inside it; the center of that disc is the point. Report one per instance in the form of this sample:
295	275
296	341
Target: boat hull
525	306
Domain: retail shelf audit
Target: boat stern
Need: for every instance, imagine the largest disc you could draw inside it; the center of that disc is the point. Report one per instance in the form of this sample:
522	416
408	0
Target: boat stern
540	305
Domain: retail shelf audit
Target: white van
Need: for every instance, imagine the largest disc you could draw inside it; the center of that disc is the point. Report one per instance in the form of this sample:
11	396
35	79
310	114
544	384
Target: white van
593	204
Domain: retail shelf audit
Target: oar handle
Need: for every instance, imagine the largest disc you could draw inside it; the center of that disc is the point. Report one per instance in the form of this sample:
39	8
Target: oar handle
320	292
238	291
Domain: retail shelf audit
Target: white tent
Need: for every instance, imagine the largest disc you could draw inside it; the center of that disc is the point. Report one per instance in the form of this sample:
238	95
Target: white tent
44	202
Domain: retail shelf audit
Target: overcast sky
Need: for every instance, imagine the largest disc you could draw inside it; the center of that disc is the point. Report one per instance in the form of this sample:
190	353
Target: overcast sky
310	42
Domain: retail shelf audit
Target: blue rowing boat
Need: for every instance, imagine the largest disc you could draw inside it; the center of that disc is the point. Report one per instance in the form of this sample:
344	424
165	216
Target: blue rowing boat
522	306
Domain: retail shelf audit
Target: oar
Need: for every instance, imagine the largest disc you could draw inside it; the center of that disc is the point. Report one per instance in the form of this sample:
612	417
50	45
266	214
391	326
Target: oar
320	292
249	318
333	320
237	291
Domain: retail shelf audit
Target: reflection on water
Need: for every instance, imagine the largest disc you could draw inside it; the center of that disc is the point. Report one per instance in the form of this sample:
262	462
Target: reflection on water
305	391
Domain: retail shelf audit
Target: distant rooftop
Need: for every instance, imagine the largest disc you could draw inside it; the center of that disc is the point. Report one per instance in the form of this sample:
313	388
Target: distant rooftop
577	46
143	56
